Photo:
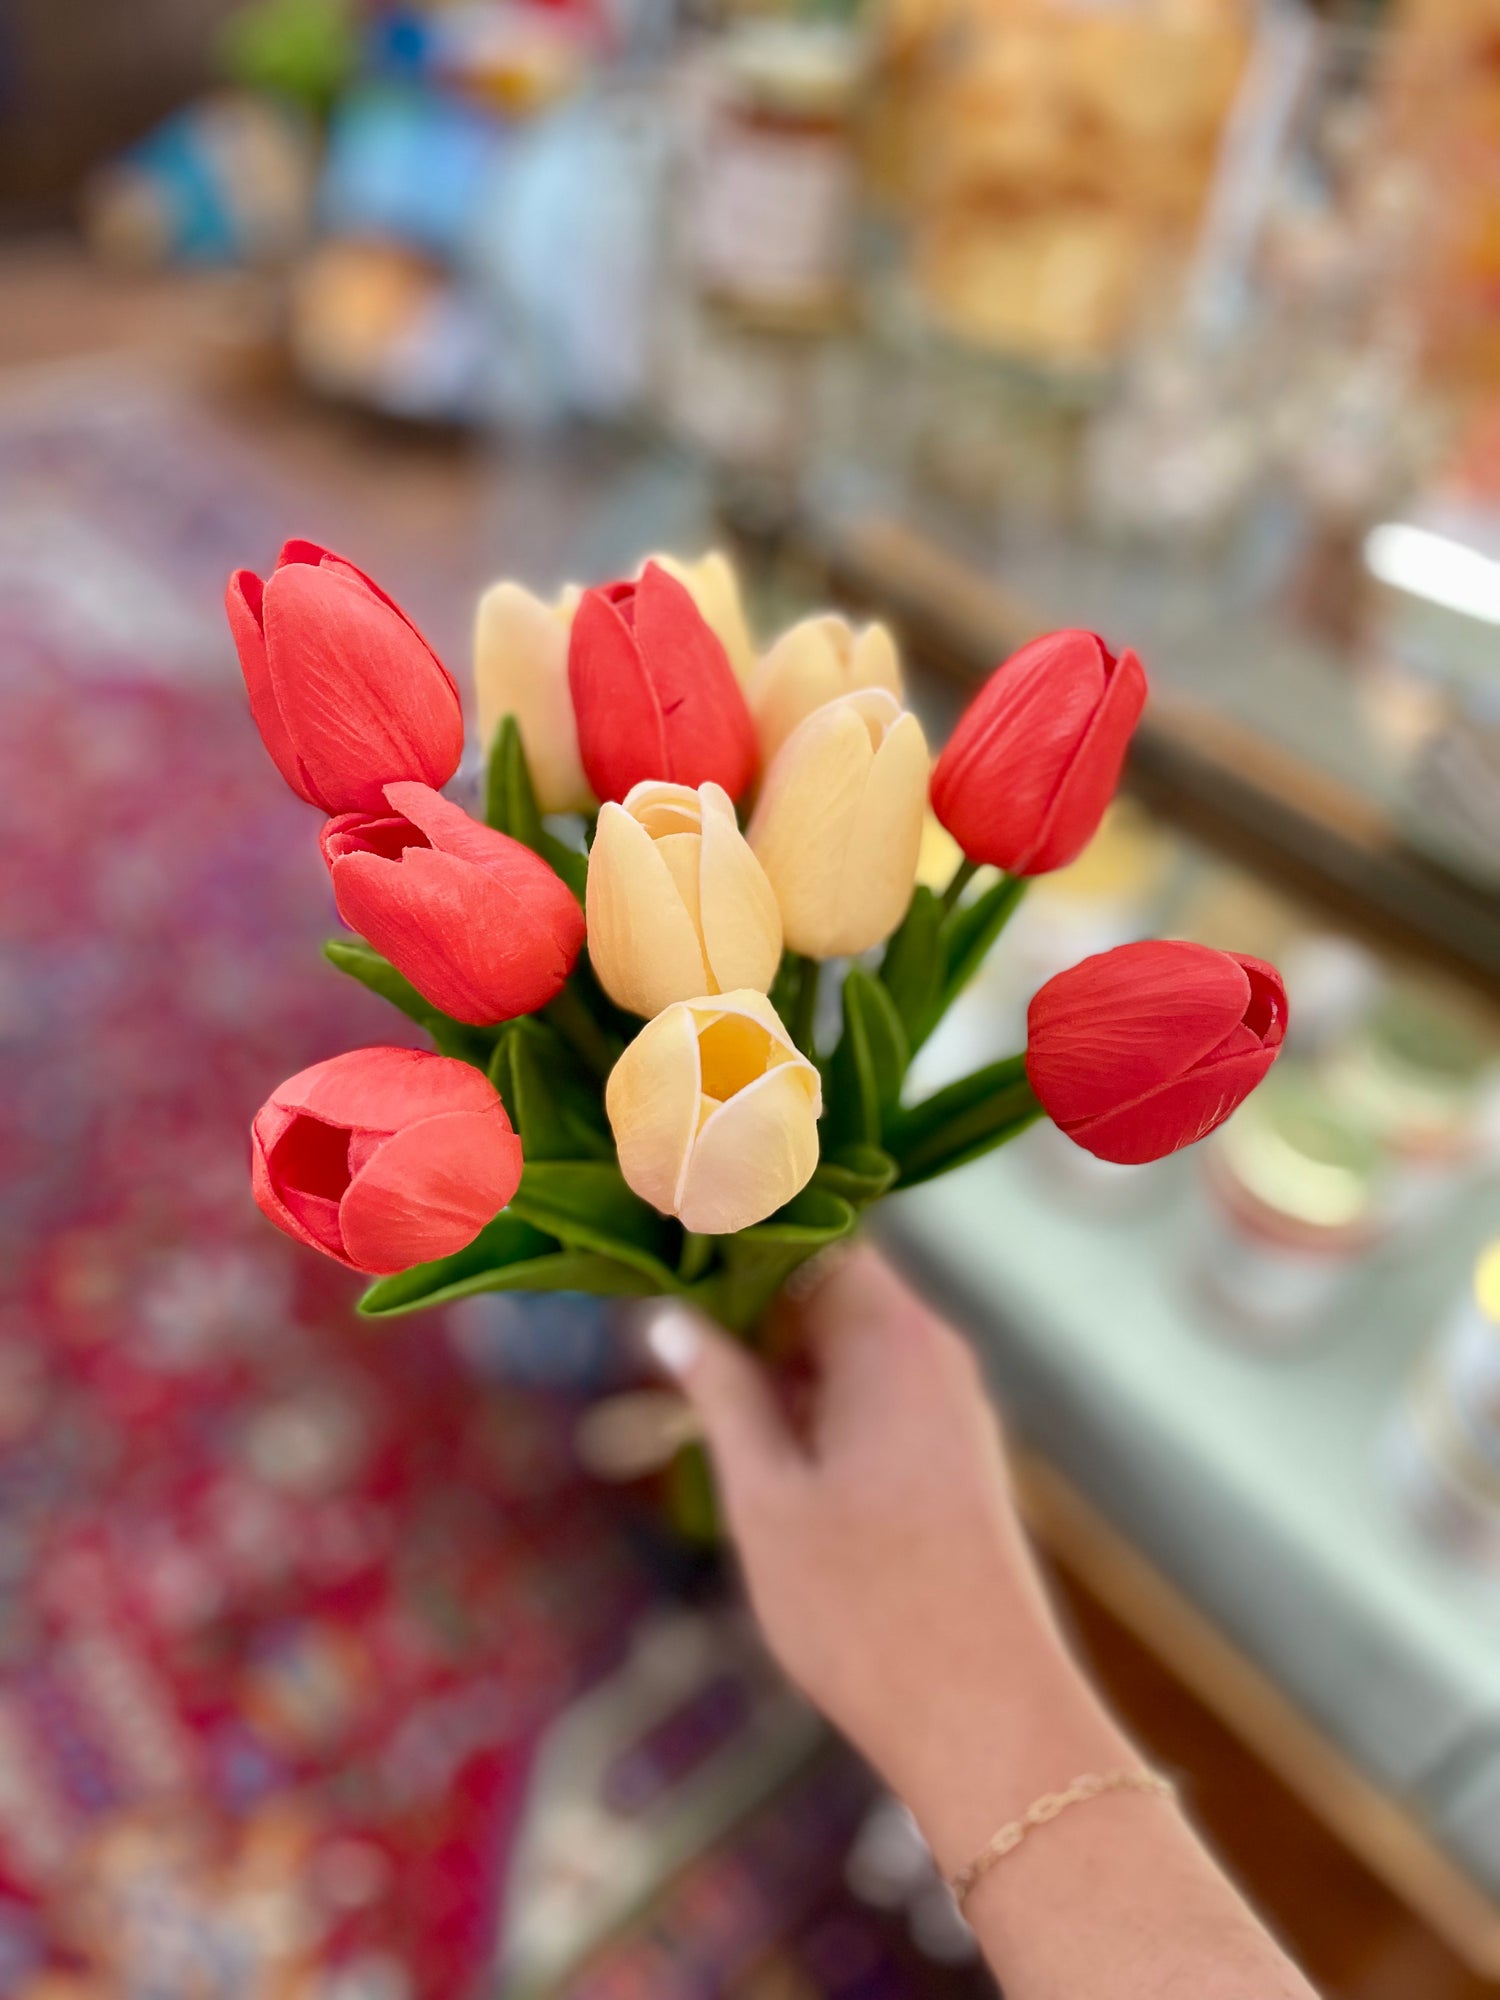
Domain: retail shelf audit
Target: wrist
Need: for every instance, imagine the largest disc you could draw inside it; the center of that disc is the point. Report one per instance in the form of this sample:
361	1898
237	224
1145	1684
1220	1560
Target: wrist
994	1736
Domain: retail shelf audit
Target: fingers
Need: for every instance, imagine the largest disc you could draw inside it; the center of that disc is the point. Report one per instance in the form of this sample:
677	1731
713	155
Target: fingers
881	1353
746	1431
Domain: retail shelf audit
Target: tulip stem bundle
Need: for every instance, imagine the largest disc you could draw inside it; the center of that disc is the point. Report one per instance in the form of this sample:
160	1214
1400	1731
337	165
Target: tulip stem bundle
626	1094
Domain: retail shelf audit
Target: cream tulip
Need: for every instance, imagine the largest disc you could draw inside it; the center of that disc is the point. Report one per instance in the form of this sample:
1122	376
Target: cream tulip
521	669
715	589
715	1113
813	663
677	904
838	827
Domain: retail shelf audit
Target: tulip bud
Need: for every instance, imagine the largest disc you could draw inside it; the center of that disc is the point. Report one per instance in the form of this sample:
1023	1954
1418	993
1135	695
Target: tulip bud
1036	756
677	906
714	588
653	691
521	669
815	662
384	1158
1146	1048
346	693
478	923
839	823
715	1113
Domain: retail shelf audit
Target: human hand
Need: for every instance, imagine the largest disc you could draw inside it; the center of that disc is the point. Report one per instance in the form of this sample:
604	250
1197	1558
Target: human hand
884	1558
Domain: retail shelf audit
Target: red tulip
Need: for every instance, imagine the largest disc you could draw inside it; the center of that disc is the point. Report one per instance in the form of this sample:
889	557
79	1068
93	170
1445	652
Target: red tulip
478	923
1148	1047
344	689
1036	756
384	1158
653	691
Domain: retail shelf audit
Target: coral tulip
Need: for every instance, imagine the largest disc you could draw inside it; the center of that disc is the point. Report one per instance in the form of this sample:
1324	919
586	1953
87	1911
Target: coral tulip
521	669
715	589
345	691
1036	756
815	662
478	923
838	826
653	692
1146	1048
384	1158
715	1113
677	904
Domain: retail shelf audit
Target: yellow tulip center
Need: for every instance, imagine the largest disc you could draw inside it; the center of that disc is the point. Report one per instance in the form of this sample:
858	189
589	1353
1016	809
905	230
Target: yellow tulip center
733	1052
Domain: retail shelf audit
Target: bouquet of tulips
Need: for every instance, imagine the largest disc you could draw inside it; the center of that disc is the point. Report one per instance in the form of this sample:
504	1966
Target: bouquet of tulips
618	958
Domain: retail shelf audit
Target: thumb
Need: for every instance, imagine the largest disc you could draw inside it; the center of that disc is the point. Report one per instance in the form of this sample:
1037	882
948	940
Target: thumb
729	1392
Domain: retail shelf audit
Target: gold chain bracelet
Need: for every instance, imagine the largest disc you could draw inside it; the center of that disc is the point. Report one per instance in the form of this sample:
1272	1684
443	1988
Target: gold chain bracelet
1046	1808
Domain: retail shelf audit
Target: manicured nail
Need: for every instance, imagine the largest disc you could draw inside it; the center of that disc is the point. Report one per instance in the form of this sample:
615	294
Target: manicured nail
673	1339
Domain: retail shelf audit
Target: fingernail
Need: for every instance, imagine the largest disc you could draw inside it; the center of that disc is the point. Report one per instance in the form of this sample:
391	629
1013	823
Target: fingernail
673	1339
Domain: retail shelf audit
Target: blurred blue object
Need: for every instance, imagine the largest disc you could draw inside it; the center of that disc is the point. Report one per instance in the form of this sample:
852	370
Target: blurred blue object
552	1340
399	43
569	263
408	164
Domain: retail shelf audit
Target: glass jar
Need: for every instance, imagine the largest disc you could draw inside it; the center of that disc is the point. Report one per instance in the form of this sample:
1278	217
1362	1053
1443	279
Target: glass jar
1292	1204
773	196
1416	1074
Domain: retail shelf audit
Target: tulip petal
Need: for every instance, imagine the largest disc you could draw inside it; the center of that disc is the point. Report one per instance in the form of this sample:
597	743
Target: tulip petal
1091	777
620	736
317	1228
800	827
316	556
714	588
244	601
755	1152
380	1089
430	1189
651	1100
470	942
1123	1024
1178	1114
708	731
359	692
643	942
740	920
885	838
521	669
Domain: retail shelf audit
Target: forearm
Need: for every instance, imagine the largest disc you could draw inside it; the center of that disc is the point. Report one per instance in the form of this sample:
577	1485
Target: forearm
1115	1899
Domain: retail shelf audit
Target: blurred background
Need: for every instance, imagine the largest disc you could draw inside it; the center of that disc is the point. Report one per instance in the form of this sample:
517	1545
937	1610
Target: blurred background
329	1670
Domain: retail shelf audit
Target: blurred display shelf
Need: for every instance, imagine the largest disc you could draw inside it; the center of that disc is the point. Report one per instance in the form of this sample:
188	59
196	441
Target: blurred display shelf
1230	1507
1256	738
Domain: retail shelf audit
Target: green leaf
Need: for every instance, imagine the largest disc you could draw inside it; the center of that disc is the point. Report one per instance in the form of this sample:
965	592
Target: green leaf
562	1271
967	934
912	969
452	1038
757	1262
510	806
970	1117
858	1173
501	1244
869	1064
693	1498
558	1115
587	1206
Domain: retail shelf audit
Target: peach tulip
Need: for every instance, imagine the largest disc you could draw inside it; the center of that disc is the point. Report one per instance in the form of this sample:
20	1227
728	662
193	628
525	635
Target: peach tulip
521	669
677	904
715	1112
813	663
838	827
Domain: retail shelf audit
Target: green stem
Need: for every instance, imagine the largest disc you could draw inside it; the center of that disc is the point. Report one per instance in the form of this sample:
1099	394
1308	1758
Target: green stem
580	1031
805	1005
963	875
